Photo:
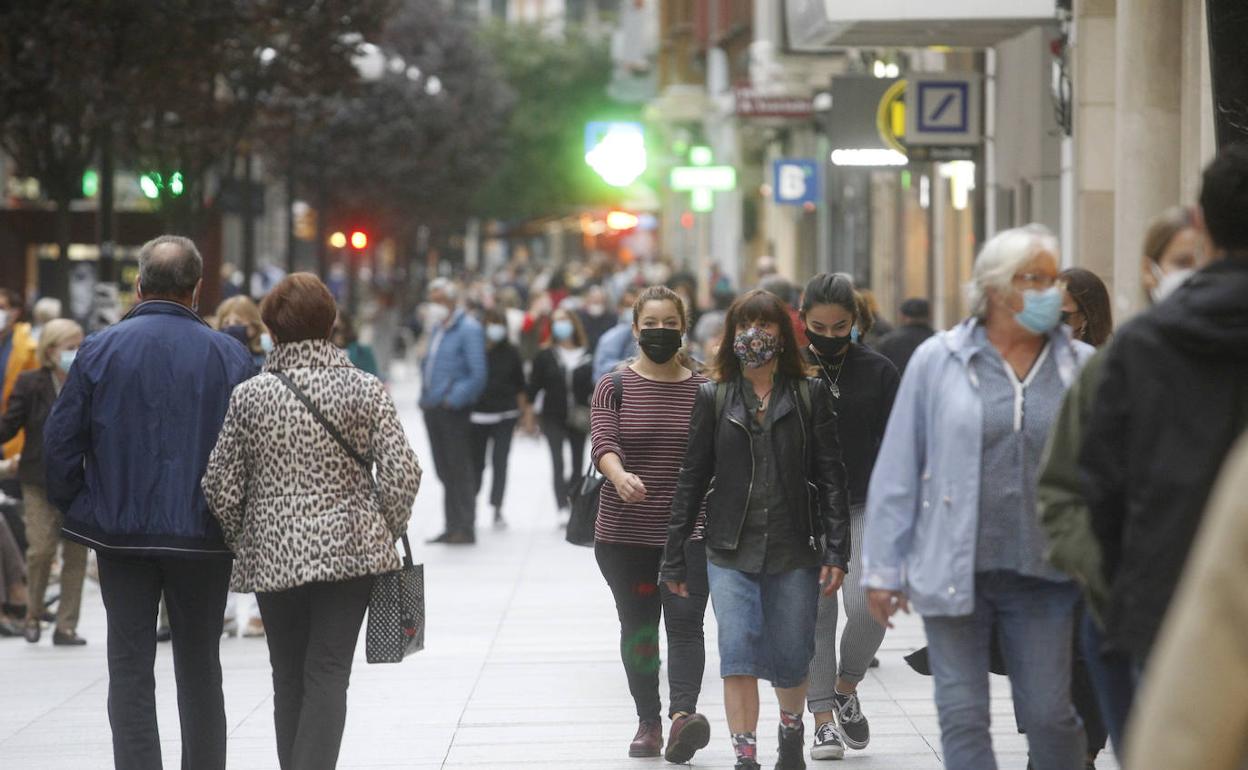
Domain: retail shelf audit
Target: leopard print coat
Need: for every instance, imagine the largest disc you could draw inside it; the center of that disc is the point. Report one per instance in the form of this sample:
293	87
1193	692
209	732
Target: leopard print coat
294	507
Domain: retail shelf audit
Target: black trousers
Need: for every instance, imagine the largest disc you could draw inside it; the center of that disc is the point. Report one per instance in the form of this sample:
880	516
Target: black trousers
450	436
557	433
312	630
632	574
500	433
194	590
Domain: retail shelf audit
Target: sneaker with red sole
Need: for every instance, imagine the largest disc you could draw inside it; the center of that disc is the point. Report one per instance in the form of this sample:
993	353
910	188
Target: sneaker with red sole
690	733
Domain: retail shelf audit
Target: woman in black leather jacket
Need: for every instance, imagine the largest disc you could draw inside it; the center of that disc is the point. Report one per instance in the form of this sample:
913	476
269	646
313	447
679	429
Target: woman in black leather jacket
763	454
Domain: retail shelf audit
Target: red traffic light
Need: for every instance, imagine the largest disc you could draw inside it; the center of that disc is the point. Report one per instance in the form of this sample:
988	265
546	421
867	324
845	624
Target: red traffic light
359	239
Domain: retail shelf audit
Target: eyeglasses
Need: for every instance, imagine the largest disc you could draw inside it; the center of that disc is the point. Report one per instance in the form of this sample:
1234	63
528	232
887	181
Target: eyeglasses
1035	280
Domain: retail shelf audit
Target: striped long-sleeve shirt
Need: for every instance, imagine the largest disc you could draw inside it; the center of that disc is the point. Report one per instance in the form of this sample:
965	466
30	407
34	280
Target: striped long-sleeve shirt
649	433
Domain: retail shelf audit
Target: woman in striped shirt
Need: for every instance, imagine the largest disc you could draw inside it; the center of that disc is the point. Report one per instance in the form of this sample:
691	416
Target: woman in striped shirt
639	436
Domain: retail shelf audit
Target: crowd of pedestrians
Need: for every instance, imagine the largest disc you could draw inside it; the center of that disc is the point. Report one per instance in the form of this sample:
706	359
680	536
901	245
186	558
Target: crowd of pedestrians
1031	482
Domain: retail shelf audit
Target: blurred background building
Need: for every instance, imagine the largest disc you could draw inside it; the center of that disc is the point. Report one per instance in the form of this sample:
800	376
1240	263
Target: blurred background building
723	138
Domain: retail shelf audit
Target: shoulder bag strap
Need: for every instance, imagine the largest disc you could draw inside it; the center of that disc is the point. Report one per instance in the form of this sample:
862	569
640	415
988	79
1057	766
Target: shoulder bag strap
342	442
329	428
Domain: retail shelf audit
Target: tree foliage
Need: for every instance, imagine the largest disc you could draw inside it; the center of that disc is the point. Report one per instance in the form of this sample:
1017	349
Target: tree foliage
399	151
560	84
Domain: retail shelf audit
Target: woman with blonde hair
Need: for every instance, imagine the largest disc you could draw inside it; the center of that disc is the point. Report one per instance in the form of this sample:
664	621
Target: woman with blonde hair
28	408
239	317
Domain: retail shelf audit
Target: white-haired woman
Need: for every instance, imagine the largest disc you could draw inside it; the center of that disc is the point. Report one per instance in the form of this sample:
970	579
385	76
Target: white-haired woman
951	511
29	405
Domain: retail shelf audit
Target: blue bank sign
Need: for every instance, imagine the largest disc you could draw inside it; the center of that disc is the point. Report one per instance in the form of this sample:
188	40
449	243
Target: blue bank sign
795	181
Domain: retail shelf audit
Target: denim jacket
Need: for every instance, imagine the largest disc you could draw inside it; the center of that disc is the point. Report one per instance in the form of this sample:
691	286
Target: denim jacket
923	502
454	368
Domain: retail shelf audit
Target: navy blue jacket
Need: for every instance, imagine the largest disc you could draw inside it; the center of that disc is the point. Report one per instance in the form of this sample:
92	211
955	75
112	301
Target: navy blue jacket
128	440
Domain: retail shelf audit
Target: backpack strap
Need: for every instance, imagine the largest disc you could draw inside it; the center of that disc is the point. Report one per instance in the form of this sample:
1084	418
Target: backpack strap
617	390
803	393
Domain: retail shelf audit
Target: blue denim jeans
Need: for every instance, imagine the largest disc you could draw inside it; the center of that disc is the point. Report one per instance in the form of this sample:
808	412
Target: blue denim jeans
1114	677
1035	621
766	623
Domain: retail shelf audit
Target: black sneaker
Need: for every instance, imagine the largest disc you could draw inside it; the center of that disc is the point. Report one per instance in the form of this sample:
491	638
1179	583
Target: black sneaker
792	749
854	727
827	743
746	764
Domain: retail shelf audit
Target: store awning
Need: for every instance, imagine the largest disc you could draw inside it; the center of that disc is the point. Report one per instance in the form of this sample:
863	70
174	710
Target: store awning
821	25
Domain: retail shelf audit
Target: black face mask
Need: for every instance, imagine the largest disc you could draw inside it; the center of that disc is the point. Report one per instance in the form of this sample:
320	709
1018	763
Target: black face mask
659	345
828	347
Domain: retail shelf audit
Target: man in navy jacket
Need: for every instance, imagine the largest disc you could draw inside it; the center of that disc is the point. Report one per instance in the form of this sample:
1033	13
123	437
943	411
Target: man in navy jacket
125	447
453	380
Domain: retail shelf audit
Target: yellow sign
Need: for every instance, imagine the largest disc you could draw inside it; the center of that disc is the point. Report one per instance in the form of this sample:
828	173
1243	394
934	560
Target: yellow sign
890	118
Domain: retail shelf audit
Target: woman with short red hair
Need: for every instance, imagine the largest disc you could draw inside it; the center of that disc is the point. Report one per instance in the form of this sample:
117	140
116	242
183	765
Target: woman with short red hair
292	483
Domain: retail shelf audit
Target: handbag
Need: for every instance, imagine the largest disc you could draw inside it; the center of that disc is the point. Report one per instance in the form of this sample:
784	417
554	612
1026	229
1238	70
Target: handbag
396	605
584	496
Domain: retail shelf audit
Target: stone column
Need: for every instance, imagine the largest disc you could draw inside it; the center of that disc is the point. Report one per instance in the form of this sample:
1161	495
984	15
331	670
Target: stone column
1148	132
1094	138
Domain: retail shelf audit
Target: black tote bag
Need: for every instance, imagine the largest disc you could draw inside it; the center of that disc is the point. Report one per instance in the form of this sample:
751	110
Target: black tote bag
585	494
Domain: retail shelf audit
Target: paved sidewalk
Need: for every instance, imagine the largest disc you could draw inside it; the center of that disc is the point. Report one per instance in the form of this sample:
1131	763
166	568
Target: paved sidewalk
521	669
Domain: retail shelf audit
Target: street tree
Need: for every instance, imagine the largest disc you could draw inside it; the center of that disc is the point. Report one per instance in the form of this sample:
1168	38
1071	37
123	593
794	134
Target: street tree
560	84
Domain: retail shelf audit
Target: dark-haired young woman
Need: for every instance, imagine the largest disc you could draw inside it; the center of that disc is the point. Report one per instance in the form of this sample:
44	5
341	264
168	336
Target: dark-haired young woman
863	384
1085	306
777	517
639	435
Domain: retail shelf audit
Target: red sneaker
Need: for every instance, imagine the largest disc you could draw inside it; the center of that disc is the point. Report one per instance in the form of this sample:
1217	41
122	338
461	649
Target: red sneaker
689	733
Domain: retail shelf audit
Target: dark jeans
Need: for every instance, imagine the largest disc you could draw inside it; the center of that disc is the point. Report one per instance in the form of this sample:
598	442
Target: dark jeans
1114	679
194	590
449	431
500	433
632	574
1083	692
556	434
312	630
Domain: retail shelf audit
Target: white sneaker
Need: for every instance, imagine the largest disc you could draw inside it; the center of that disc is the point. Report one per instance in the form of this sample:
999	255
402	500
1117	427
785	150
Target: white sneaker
828	744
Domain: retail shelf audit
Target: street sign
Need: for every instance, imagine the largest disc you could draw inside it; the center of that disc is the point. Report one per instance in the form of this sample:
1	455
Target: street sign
943	109
702	179
795	181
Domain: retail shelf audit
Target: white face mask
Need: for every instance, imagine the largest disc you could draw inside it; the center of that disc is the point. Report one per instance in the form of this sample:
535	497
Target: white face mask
496	332
437	313
1167	282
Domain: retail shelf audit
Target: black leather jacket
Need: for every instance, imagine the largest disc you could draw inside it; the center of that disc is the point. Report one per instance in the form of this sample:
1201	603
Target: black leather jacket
719	467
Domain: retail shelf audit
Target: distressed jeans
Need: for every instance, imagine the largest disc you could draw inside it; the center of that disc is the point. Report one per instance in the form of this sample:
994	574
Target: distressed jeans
1035	619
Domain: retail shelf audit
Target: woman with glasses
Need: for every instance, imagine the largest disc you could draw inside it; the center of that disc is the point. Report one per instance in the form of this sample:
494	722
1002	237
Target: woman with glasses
951	510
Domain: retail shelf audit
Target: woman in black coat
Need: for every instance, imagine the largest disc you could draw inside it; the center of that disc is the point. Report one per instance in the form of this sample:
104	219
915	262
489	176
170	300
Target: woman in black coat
563	374
764	459
499	408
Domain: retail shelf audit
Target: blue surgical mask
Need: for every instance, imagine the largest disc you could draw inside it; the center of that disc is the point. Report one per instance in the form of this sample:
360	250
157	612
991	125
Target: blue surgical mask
562	329
496	333
854	334
266	342
67	359
1042	310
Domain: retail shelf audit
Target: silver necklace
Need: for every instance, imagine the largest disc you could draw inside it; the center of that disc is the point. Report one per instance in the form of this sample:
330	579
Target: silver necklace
833	384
